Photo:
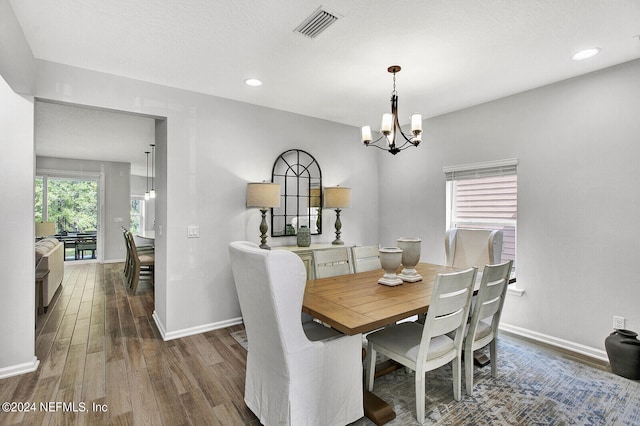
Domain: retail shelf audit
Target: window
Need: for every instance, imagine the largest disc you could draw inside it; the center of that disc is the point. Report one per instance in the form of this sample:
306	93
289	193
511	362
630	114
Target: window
69	201
485	196
137	214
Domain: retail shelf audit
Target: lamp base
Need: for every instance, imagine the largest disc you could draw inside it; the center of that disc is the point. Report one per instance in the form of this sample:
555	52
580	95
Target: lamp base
337	242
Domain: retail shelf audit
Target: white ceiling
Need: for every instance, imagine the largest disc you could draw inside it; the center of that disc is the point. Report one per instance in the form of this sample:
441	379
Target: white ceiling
453	53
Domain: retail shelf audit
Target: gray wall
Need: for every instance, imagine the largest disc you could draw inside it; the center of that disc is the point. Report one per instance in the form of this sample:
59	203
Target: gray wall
116	197
578	201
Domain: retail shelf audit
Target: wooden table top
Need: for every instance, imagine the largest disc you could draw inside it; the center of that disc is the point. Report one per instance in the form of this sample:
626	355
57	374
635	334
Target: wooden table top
356	303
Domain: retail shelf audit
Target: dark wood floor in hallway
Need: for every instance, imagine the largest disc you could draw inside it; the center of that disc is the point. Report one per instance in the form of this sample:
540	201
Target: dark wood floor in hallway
100	351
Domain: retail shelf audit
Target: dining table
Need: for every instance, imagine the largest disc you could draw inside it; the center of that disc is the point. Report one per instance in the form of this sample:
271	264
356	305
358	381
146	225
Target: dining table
356	303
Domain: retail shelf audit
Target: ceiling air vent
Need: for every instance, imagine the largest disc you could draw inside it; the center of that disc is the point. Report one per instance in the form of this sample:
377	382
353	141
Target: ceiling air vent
316	23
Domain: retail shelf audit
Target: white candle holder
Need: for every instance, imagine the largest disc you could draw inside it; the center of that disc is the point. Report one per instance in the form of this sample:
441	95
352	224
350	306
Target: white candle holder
390	258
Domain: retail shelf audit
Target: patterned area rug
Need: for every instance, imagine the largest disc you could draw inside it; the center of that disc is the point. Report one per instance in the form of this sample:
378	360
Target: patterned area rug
535	386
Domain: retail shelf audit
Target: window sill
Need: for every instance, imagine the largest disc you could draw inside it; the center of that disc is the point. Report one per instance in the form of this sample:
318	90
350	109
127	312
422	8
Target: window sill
515	291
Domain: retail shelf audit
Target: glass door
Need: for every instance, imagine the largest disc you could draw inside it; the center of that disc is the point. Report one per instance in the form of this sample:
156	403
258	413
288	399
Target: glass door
72	204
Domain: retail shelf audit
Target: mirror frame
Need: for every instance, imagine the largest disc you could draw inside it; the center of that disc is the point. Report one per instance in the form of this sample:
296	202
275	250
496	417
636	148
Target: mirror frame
298	174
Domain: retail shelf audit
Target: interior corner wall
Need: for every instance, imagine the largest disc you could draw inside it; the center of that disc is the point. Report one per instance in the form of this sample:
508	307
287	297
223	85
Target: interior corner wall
578	230
17	256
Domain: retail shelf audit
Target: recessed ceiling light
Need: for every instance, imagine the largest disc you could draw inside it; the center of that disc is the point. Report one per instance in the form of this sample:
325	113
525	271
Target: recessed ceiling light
586	54
253	82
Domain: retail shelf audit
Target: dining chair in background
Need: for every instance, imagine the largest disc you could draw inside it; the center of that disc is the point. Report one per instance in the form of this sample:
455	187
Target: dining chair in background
290	378
426	347
483	327
137	265
465	248
366	258
332	262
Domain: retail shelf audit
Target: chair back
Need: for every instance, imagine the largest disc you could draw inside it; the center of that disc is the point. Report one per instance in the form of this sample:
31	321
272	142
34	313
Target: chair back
449	309
366	258
332	262
473	247
270	286
489	302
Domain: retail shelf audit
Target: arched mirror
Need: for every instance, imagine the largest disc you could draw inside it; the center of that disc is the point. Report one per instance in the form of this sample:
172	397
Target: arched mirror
300	179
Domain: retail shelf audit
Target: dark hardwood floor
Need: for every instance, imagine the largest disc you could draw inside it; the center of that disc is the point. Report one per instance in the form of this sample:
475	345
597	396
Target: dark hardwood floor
101	353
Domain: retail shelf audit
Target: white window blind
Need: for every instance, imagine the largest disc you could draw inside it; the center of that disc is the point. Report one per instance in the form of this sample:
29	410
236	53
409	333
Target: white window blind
485	196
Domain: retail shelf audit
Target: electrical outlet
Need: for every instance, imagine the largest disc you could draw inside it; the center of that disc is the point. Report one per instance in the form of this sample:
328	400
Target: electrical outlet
618	323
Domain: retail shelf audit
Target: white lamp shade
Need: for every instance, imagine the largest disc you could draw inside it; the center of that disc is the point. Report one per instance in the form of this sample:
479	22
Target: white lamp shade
366	134
337	197
416	123
263	194
387	122
45	229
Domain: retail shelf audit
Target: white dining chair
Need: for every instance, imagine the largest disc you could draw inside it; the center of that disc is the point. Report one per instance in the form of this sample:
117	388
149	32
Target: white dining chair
465	248
332	262
483	326
426	347
290	378
366	258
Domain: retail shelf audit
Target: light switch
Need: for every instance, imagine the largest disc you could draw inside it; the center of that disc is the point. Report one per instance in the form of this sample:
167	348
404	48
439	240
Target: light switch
193	231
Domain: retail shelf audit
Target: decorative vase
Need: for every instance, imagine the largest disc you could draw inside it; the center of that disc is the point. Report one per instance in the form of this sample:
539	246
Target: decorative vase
623	350
304	236
410	257
390	258
289	230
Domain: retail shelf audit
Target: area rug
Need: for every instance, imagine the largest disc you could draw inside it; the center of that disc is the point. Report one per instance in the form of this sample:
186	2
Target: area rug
535	386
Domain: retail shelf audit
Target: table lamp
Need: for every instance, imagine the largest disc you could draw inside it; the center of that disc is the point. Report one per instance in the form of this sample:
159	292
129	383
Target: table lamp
337	197
45	229
263	195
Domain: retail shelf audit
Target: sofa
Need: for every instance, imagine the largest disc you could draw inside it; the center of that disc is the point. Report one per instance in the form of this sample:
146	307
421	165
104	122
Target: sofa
50	256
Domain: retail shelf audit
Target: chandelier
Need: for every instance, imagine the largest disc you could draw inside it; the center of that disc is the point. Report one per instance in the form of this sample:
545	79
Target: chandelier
390	127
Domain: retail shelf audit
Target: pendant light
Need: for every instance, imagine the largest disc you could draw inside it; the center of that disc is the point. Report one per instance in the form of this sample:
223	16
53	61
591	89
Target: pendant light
152	193
146	194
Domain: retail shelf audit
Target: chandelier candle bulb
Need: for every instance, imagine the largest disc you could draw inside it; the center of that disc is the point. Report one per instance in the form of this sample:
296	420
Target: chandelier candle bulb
387	120
366	134
416	123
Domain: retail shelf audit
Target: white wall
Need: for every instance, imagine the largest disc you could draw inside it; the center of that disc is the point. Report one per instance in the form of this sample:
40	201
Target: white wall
17	256
578	201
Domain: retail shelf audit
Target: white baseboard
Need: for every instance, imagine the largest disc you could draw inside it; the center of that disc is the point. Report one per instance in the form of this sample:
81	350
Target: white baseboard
554	341
18	369
193	330
113	261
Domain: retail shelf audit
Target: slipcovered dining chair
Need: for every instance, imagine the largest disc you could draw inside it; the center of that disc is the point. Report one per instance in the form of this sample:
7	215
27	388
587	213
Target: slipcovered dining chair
332	262
291	379
465	248
426	347
366	258
483	327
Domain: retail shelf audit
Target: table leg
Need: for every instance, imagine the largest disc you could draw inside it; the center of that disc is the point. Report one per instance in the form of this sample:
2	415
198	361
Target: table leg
376	409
